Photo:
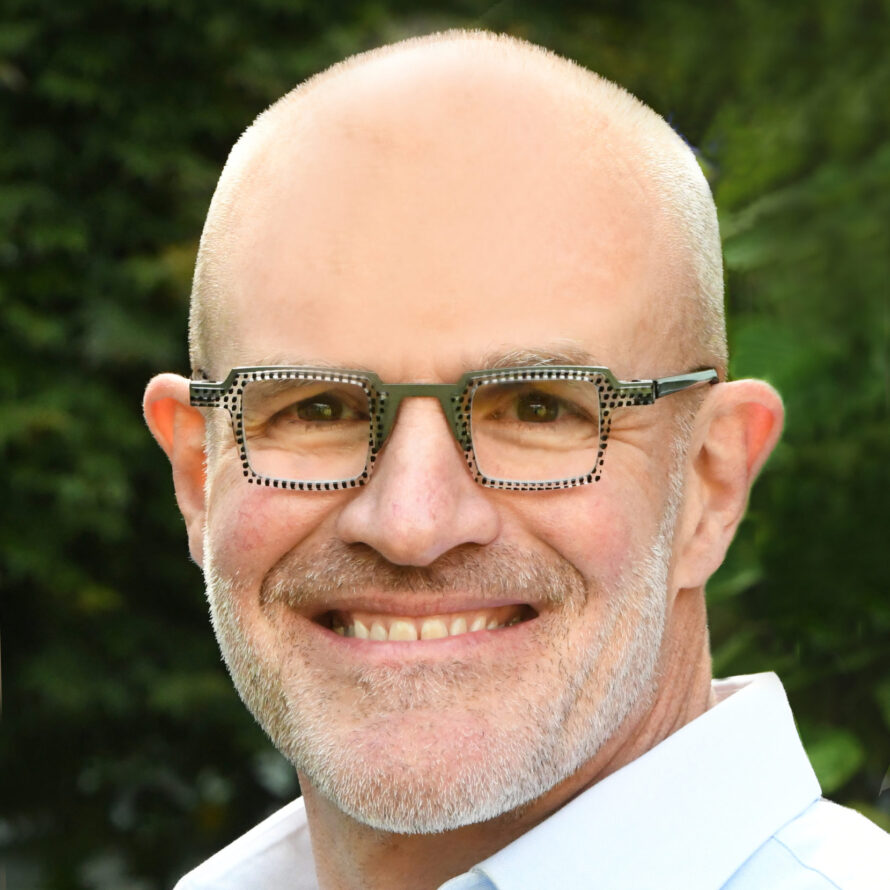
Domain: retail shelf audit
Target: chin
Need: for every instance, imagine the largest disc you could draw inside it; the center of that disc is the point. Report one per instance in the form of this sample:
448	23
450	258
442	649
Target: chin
413	777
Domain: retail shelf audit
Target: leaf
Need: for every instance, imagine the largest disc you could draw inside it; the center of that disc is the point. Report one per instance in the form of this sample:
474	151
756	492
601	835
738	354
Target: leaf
882	697
836	755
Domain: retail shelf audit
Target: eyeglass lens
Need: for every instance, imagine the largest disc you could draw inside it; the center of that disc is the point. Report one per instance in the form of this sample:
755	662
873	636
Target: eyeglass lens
306	430
319	430
536	431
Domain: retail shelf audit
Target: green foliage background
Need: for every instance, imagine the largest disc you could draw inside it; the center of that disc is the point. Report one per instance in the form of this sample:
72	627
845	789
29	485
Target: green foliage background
125	757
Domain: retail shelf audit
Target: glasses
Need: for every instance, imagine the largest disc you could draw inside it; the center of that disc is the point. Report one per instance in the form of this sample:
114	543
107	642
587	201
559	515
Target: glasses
520	429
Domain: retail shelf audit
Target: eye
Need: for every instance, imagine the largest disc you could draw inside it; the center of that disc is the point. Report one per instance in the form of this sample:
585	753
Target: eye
537	407
546	406
319	409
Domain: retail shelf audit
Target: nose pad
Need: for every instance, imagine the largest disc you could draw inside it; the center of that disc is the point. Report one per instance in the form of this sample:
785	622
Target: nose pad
421	500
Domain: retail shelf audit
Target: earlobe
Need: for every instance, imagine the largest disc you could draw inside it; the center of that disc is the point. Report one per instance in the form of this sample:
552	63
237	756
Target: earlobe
737	429
179	429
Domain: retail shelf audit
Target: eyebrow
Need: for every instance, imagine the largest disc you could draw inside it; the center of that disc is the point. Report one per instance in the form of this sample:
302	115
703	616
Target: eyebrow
289	360
567	352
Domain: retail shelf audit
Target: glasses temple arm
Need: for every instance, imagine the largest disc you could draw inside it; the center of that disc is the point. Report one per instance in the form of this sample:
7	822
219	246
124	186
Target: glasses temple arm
206	394
665	386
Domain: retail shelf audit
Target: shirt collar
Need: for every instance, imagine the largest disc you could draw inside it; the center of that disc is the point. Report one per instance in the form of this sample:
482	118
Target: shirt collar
685	815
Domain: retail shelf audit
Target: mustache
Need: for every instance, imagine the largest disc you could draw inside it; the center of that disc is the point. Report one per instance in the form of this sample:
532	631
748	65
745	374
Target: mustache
494	571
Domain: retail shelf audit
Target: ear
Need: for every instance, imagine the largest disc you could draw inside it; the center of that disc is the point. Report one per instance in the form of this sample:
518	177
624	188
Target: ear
179	430
736	429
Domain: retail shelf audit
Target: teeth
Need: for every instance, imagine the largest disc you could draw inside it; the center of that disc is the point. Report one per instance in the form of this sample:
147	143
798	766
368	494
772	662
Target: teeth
458	626
378	631
433	629
402	630
380	628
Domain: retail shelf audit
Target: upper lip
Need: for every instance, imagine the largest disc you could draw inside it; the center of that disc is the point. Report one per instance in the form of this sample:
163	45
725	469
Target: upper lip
412	606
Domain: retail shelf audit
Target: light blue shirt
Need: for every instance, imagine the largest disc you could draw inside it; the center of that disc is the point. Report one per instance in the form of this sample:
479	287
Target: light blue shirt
729	801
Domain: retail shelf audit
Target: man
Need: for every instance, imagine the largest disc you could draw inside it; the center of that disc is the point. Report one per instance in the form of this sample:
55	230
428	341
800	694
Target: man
457	459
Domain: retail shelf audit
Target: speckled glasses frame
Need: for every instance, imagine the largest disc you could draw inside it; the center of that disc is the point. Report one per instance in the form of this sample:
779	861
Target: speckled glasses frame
456	401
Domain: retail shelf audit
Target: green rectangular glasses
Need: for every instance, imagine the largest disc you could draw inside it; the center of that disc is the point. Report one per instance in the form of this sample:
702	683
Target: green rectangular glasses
520	429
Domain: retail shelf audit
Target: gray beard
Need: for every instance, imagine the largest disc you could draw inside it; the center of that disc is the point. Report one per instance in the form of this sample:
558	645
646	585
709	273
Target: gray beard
484	768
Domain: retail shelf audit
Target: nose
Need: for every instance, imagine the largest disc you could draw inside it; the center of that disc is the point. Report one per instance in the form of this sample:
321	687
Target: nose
421	501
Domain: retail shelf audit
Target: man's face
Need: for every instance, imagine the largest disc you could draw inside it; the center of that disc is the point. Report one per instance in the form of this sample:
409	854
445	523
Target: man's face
382	241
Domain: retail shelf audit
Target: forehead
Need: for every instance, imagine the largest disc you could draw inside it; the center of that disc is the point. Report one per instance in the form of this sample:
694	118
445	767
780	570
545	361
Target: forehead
415	228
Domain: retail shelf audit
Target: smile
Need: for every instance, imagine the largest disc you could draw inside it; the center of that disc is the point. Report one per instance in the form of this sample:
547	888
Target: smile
380	627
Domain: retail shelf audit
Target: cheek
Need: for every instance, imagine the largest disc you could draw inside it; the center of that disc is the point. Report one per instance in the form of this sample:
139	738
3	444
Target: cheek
599	532
249	527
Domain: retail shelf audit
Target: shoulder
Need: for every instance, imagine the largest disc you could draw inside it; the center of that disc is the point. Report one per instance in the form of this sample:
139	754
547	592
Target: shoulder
276	852
846	847
827	847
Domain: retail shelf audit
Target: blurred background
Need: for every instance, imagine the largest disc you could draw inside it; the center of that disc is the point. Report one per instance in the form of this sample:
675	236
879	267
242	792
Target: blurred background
125	755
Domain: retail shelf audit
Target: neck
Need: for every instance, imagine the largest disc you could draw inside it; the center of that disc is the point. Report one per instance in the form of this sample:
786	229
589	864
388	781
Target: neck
352	856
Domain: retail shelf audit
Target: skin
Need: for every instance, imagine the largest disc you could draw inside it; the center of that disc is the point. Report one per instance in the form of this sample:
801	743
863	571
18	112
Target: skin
458	229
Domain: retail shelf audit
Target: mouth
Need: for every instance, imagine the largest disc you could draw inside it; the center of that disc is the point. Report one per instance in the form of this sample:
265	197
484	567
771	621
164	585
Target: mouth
384	627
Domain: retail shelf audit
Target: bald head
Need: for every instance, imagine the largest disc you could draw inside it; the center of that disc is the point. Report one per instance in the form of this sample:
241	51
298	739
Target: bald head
454	151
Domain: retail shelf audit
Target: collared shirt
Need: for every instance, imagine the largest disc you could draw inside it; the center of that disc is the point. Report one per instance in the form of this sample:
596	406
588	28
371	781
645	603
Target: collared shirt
729	801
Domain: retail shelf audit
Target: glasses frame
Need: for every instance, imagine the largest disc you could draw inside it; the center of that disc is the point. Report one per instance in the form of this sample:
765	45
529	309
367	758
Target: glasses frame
456	400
